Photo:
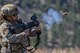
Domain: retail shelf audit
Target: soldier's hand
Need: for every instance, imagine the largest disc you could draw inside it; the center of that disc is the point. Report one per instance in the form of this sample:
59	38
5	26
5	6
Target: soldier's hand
26	32
36	30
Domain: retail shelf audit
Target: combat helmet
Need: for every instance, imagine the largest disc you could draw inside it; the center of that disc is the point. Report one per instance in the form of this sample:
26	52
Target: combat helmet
9	10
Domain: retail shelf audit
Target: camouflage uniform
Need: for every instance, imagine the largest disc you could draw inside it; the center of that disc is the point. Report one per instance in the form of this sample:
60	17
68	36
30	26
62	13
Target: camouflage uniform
12	37
17	37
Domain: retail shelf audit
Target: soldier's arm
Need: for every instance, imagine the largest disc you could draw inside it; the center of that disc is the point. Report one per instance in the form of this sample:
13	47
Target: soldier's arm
11	37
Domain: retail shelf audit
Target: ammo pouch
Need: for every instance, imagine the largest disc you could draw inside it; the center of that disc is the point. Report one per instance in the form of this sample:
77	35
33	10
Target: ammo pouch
14	47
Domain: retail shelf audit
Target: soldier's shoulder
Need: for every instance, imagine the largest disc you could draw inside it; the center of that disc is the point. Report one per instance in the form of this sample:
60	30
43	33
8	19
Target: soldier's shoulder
4	25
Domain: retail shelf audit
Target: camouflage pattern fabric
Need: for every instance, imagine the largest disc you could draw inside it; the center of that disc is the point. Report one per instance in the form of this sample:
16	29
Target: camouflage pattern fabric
8	37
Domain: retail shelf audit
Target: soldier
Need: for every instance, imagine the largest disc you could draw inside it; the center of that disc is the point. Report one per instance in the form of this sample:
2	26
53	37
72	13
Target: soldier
13	31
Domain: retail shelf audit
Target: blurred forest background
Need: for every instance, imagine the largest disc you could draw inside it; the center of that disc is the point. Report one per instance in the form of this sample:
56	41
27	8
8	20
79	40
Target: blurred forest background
66	34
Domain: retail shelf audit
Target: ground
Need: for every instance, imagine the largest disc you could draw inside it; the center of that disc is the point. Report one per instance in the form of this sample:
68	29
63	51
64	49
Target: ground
71	50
